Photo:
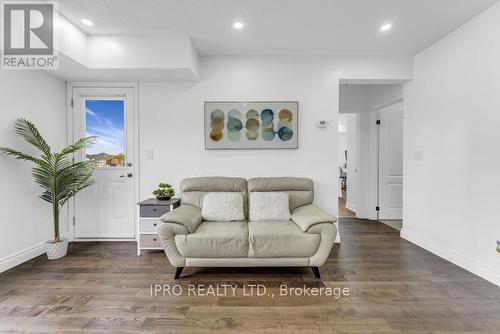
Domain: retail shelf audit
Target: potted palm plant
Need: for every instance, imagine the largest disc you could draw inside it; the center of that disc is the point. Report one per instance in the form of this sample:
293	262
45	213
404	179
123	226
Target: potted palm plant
56	173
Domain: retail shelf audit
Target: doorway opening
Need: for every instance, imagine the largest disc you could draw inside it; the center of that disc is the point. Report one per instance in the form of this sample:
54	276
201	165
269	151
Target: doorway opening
347	165
370	158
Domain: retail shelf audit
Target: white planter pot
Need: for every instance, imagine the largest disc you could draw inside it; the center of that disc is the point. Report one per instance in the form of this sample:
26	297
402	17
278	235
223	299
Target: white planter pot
56	250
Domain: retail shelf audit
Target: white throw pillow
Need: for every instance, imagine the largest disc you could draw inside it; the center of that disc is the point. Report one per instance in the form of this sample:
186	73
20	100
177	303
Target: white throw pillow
222	207
269	206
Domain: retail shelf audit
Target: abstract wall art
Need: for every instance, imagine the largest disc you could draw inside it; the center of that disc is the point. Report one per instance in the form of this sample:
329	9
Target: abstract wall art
251	125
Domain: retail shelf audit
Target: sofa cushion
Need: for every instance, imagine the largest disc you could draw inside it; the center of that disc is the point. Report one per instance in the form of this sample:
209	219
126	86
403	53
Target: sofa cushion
194	189
299	190
215	239
280	239
270	206
223	207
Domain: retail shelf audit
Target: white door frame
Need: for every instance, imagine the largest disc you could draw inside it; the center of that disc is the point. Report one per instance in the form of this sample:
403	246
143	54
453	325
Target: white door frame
70	139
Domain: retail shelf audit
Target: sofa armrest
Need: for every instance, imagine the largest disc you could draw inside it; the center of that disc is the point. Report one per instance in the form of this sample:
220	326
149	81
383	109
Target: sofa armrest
309	215
186	215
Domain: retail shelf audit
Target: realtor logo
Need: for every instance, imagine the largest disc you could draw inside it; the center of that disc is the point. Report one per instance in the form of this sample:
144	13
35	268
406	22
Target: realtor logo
28	37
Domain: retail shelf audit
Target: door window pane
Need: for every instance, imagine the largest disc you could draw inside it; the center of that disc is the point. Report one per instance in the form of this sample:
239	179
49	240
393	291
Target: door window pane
105	119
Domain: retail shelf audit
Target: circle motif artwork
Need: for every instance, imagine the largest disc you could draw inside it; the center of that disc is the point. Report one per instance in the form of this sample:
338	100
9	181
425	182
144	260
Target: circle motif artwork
285	131
216	124
234	125
247	125
252	125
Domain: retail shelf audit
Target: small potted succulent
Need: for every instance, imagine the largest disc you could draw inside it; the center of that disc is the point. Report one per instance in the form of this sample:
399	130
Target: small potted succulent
164	192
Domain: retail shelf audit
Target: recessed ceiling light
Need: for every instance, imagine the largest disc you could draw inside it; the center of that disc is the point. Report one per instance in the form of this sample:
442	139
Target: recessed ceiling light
87	22
238	25
386	27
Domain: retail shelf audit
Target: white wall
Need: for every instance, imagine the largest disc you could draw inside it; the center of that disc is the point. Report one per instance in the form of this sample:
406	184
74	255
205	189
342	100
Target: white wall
353	98
342	145
25	219
72	42
173	112
140	51
452	114
352	160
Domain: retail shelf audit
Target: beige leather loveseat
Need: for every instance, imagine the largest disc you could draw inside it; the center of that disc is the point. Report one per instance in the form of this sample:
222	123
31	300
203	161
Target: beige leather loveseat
305	240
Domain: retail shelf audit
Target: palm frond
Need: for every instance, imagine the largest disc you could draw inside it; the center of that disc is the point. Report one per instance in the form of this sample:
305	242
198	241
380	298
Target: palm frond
72	177
81	144
18	155
30	133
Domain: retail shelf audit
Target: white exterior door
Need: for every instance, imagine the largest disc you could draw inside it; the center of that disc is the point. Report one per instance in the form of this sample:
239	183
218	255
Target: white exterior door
391	165
106	209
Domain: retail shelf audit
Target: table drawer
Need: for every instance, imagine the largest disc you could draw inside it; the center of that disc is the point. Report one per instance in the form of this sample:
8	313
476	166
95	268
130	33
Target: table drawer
150	240
149	225
154	211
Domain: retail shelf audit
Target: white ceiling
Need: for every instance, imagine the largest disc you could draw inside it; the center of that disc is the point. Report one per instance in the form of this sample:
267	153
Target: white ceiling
272	27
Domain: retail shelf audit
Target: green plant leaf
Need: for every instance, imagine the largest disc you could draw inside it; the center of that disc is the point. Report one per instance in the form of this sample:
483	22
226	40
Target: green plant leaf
81	144
18	155
30	133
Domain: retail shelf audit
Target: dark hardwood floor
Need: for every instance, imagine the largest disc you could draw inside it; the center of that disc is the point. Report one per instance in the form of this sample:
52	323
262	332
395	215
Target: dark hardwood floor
395	287
344	212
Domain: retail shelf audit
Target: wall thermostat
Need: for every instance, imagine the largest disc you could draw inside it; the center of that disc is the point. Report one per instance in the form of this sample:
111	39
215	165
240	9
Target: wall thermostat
323	124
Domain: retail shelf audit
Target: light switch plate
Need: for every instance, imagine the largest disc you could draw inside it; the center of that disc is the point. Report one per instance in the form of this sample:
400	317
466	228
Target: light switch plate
419	155
149	154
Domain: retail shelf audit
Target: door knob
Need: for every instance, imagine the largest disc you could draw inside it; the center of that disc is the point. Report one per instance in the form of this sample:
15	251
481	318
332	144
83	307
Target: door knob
126	175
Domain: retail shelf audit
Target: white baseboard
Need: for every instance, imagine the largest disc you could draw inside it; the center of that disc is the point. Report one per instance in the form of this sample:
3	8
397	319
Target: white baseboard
351	207
23	256
468	264
337	237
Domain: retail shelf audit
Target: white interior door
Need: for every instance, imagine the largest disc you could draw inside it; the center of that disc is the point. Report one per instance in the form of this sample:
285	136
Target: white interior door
106	209
391	165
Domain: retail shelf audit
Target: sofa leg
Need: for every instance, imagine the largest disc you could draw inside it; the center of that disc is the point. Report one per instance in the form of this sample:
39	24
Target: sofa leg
316	272
178	272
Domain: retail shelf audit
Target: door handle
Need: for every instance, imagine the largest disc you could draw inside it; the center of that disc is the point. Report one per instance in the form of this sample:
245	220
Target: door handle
126	175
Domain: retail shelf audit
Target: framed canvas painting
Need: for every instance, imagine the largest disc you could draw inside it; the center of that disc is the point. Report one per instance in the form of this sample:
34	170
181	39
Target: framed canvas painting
251	125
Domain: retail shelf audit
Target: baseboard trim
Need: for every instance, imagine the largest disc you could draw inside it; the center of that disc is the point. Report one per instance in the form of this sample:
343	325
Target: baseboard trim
351	207
23	256
337	237
468	264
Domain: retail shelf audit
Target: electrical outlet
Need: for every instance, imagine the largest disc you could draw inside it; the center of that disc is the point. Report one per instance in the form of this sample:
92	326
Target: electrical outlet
149	155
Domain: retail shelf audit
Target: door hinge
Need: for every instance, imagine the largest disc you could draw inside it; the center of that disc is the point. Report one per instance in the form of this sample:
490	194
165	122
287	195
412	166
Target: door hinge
74	221
377	208
378	122
71	102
